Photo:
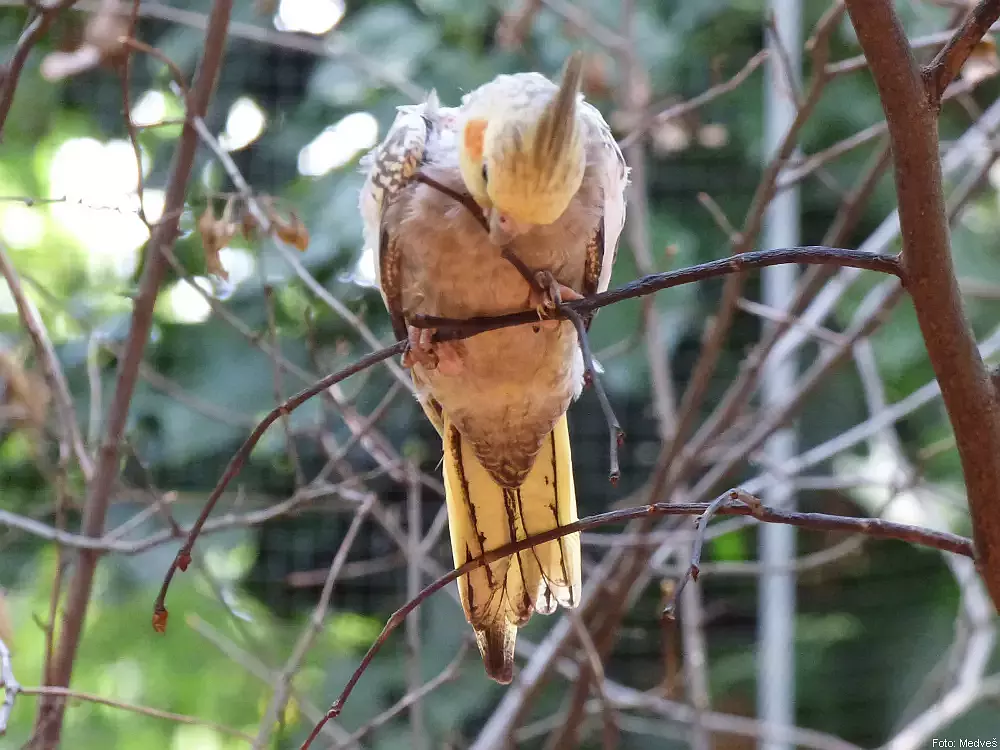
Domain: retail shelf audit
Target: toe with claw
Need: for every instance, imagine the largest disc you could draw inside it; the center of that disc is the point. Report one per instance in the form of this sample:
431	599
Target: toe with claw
546	294
443	356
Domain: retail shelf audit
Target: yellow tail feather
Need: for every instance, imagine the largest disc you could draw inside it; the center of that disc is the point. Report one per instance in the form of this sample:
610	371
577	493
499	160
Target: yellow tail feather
482	515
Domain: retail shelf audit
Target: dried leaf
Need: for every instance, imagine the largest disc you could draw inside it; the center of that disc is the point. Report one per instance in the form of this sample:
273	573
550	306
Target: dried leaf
25	391
103	40
107	30
212	241
249	225
227	228
293	231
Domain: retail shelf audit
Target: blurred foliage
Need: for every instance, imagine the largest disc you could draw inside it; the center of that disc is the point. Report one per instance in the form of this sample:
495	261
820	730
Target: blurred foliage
871	627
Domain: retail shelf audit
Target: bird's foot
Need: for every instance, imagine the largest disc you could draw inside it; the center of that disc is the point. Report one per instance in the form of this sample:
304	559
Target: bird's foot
546	295
443	356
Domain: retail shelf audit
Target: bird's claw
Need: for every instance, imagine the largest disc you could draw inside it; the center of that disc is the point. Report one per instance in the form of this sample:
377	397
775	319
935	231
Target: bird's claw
443	356
547	294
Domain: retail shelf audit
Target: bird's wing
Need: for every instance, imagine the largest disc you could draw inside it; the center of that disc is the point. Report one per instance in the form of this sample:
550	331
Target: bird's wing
390	168
613	173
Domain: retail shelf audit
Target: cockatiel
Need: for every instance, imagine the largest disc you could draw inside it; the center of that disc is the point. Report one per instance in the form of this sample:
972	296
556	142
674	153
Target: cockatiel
550	180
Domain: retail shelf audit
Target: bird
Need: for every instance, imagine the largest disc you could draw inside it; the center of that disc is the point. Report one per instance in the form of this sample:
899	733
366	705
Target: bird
524	166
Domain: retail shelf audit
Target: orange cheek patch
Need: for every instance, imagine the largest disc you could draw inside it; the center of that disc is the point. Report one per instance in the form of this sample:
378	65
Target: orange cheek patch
475	132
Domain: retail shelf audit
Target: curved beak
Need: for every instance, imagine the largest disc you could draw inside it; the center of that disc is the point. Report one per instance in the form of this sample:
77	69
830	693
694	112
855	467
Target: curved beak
504	229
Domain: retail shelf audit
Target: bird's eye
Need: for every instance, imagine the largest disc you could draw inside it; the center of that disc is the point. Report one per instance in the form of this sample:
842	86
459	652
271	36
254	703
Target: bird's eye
486	177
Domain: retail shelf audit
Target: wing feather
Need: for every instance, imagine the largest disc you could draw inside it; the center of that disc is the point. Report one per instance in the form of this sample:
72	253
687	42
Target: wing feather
390	168
613	173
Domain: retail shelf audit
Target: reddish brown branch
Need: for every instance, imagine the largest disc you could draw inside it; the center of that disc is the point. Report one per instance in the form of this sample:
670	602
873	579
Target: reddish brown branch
49	362
449	329
183	558
659	281
947	64
733	503
701	524
49	718
969	398
10	73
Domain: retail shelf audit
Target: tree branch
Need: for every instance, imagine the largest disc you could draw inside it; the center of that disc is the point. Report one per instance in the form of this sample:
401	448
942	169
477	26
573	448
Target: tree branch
667	280
283	686
738	502
947	64
49	362
449	329
50	713
64	694
969	398
10	74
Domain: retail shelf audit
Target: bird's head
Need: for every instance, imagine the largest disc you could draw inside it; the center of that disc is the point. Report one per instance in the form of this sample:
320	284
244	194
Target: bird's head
521	149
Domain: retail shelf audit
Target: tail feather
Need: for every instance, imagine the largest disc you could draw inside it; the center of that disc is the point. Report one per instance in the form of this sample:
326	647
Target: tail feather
482	515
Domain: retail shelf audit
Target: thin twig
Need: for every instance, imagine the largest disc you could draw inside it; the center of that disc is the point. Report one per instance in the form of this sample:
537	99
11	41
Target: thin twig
133	133
253	665
414	649
448	674
615	432
66	694
49	362
44	18
701	526
183	557
283	683
457	329
610	732
665	112
617	435
947	64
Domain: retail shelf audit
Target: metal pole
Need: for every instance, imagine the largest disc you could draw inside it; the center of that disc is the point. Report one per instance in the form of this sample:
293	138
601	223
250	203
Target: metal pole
776	633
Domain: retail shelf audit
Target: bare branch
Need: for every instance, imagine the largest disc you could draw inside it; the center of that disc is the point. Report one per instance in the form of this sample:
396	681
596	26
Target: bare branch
448	674
283	685
873	527
969	398
49	718
183	558
46	354
701	524
10	73
947	64
64	694
657	282
664	112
